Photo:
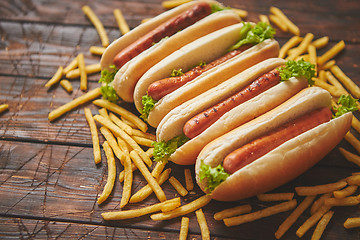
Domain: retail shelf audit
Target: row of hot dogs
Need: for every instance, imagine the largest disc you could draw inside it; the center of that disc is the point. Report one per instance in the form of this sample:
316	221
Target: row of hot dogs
219	98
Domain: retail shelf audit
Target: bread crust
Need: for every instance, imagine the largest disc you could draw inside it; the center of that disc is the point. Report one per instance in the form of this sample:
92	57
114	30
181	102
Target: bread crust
267	49
128	75
282	164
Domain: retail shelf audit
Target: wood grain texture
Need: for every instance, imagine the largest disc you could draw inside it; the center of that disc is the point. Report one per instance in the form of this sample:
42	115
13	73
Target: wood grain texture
48	180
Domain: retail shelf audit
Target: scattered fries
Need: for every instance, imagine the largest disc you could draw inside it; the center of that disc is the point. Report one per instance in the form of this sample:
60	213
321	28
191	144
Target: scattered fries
94	135
285	20
331	53
72	65
66	85
97	24
184	229
83	75
56	78
320	189
352	223
178	186
268	197
89	69
205	233
231	212
320	228
97	50
349	190
189	184
123	26
4	107
311	221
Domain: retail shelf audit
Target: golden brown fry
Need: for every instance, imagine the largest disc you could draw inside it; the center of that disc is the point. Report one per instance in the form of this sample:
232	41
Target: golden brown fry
327	65
150	152
242	13
89	69
111	174
120	215
4	107
268	197
94	135
122	173
330	88
159	167
56	78
320	228
127	180
311	221
173	3
183	210
350	156
83	75
122	112
147	175
97	24
349	190
291	219
66	85
352	222
96	50
331	52
282	207
320	42
289	44
353	141
169	207
91	95
264	18
291	26
184	229
122	24
121	124
319	202
348	201
189	184
331	79
302	48
72	65
143	141
178	186
312	55
353	180
145	191
348	83
320	189
204	229
103	112
231	212
277	21
113	144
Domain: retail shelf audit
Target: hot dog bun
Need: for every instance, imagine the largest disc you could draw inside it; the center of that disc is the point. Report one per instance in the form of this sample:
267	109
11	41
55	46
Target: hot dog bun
129	74
267	49
285	162
116	46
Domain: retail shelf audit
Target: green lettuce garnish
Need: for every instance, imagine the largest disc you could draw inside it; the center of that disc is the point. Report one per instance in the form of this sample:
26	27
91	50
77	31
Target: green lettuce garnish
218	8
299	68
254	35
346	104
107	90
163	150
148	104
214	176
176	73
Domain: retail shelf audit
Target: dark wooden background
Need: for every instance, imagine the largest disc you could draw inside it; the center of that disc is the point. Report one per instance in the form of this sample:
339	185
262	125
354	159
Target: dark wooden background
48	180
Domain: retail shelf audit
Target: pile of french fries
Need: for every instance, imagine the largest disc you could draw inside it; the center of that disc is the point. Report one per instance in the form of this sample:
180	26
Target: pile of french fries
126	136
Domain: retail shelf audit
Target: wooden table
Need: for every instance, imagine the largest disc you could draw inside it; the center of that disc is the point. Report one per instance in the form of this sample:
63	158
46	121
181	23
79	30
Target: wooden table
49	183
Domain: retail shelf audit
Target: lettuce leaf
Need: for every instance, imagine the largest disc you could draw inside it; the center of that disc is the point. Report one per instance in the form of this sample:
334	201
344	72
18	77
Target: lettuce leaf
346	104
214	176
107	90
299	68
148	104
163	150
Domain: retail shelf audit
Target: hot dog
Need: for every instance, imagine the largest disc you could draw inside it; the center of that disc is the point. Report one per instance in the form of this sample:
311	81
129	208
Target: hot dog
171	127
300	147
210	49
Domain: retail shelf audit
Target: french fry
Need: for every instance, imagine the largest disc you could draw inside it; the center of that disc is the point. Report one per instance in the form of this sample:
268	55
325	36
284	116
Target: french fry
312	220
349	190
352	223
231	212
121	124
264	18
331	52
183	210
204	229
120	215
97	50
348	83
330	88
319	202
322	75
123	26
94	135
173	3
138	133
268	197
312	55
66	85
242	13
353	180
178	186
320	227
331	79
111	174
91	95
55	78
189	184
291	26
353	141
83	74
348	201
278	22
350	156
89	69
129	123
184	228
302	47
122	173
150	152
144	192
143	141
147	175
291	219
159	167
72	65
288	45
97	24
127	180
103	112
113	144
327	65
320	189
4	107
122	112
120	133
320	42
282	207
169	207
